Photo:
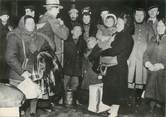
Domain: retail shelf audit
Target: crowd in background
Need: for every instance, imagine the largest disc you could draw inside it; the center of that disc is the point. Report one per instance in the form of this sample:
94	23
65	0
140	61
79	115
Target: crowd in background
123	51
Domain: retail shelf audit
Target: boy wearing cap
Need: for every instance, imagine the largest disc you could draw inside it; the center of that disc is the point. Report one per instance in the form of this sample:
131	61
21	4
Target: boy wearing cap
4	29
143	33
153	12
74	49
54	27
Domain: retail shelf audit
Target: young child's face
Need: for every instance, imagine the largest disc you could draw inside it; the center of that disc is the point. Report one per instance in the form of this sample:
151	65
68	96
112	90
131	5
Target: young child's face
91	42
161	27
77	32
109	22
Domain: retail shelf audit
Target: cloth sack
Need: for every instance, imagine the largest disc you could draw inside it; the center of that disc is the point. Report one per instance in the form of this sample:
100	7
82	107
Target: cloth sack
30	89
10	96
95	99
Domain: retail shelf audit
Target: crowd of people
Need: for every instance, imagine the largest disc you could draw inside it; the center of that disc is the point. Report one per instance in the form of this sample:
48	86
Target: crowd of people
122	51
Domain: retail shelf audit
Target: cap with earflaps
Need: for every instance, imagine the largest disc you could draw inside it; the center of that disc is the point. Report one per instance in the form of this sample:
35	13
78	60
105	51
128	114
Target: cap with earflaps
86	11
53	3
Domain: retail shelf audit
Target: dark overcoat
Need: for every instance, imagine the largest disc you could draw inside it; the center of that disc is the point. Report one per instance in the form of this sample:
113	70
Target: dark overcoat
115	81
156	81
73	56
3	66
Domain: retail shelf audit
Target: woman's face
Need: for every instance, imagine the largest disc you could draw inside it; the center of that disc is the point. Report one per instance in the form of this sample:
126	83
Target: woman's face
109	22
29	24
86	19
120	24
161	27
139	16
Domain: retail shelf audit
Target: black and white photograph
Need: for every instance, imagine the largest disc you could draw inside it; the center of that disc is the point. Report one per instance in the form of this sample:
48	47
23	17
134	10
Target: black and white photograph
82	58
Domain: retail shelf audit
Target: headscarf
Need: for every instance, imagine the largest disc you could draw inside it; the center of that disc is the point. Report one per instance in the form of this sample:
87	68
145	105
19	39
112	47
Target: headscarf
28	37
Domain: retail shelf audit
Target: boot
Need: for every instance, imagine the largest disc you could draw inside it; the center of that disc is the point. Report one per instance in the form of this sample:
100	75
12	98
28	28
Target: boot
74	98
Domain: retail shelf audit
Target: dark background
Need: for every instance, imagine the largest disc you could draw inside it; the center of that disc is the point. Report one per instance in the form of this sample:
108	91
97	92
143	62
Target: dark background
16	7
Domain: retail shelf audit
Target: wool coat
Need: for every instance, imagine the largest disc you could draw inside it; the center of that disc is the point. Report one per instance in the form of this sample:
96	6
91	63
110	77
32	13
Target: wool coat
55	32
156	82
137	72
3	42
115	81
73	56
15	54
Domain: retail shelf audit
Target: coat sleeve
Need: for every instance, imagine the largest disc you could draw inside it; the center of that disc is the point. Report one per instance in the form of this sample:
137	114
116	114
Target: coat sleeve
62	32
119	45
95	54
151	34
147	54
12	54
59	30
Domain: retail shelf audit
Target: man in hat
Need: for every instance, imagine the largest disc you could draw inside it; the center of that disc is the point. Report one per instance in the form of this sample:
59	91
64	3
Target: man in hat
4	29
153	12
54	27
143	33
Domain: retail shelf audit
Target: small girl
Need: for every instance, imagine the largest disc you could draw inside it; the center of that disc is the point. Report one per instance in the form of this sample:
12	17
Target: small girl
106	32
